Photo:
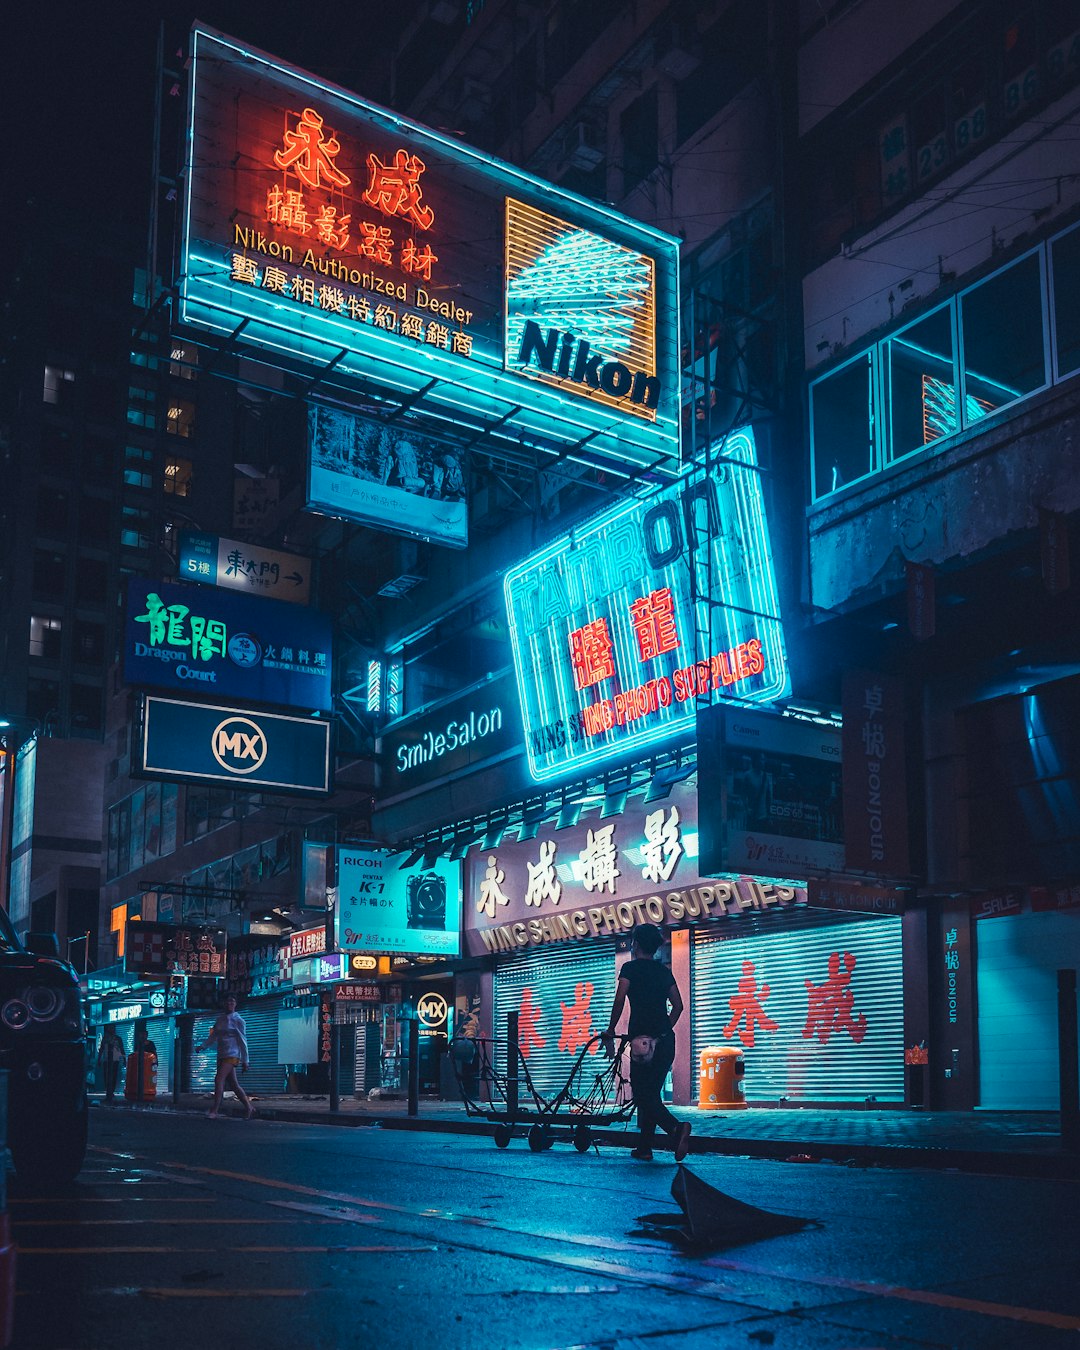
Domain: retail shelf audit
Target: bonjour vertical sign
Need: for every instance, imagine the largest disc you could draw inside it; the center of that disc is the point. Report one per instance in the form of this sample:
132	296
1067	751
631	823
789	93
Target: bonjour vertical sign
875	778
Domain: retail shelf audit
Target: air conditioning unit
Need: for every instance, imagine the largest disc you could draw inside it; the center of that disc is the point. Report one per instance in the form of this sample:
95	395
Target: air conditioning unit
584	149
675	54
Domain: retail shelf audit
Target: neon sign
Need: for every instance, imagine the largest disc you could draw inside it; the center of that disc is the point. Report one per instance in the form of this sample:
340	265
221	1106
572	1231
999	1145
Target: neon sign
619	630
334	231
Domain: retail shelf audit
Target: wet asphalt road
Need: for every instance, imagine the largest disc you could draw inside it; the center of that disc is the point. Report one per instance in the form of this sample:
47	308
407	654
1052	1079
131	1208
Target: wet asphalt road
187	1232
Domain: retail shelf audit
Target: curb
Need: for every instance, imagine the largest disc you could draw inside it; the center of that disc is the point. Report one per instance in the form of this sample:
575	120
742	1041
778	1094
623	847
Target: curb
1047	1166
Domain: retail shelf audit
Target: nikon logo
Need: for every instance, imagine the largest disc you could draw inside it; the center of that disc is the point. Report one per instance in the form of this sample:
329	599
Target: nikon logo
572	358
239	745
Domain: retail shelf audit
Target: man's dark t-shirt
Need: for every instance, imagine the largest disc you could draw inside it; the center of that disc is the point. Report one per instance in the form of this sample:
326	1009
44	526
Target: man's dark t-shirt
649	983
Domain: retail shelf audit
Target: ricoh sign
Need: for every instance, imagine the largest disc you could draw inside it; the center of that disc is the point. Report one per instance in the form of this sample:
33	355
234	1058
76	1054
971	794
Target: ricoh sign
196	742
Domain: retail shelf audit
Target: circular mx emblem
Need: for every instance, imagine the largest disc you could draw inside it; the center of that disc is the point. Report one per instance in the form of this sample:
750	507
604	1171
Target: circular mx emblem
431	1010
244	650
239	745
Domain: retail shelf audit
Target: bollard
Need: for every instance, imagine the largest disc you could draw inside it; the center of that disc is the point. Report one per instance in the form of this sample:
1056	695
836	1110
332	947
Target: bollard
512	1053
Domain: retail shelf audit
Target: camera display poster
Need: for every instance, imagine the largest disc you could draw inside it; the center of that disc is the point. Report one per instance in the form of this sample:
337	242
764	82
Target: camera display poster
408	911
388	477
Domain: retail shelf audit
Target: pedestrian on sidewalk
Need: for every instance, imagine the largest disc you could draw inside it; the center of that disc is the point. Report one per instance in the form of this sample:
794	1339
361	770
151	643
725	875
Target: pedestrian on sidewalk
655	1007
230	1034
109	1057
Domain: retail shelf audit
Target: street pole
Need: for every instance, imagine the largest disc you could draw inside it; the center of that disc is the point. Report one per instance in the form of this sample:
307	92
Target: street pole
414	1067
511	1066
1068	1060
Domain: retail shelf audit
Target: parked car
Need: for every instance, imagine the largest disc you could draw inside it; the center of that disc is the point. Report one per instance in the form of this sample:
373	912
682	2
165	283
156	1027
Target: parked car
43	1047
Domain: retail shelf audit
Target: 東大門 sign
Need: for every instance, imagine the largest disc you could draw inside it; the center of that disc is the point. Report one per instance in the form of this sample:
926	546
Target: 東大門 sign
614	635
214	561
214	643
341	234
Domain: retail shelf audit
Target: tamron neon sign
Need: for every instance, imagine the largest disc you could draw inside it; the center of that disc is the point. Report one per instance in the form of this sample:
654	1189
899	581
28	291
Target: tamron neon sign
619	630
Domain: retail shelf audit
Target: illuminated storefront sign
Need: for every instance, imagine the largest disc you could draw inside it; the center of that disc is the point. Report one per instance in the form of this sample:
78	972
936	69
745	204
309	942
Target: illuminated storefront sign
603	877
387	908
771	793
214	561
307	942
198	742
453	737
322	969
339	233
614	638
167	949
388	477
216	643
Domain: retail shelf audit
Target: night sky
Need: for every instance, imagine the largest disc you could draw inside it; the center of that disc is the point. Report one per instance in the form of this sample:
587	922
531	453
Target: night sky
78	84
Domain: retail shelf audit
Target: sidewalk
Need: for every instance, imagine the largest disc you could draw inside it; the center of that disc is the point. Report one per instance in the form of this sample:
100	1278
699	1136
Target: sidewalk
1017	1143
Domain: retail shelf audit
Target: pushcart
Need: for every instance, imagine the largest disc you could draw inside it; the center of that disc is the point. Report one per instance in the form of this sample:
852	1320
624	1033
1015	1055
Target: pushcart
596	1093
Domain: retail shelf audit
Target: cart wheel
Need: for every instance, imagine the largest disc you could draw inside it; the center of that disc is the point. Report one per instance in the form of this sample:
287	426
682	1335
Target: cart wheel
582	1138
537	1138
502	1135
548	1135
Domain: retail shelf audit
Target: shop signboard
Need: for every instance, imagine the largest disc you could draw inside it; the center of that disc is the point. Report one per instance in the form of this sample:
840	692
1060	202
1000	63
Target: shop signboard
387	907
453	737
257	964
602	877
772	793
307	942
615	638
214	561
322	969
210	643
875	775
240	747
169	949
339	234
830	893
387	476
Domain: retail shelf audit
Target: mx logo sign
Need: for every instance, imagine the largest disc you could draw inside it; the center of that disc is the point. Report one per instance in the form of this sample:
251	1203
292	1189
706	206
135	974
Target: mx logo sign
239	745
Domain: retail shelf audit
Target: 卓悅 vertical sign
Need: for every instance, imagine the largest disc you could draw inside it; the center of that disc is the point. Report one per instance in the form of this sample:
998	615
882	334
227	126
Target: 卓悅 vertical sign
875	775
619	629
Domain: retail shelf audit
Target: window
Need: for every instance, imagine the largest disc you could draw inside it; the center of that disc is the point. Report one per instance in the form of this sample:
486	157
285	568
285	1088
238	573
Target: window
47	577
640	144
1065	261
842	426
920	384
177	476
43	701
95	521
85	708
184	360
89	644
53	512
56	448
59	384
138	465
45	637
136	528
1003	335
140	410
91	580
180	418
991	346
133	478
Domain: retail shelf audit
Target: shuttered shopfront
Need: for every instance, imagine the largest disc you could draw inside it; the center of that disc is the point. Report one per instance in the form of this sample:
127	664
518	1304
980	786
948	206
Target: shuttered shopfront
265	1075
817	1009
1017	960
563	998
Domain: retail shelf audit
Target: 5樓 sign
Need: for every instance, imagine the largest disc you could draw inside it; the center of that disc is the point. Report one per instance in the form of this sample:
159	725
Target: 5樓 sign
342	235
214	561
614	641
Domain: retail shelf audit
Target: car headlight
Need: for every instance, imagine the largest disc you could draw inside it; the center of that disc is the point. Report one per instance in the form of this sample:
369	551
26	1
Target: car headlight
41	1007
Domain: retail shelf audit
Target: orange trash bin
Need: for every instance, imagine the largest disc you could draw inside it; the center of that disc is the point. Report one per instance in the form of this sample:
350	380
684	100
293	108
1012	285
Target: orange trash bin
149	1077
720	1079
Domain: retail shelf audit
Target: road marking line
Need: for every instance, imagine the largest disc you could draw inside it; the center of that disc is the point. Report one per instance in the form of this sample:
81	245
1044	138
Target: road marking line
1040	1316
171	1223
147	1292
687	1283
113	1200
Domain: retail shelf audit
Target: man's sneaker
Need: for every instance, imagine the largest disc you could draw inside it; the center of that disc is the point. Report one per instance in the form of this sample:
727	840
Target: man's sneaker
682	1141
641	1154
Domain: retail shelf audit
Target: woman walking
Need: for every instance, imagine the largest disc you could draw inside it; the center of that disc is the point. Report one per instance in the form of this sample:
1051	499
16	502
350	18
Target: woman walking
230	1033
650	988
